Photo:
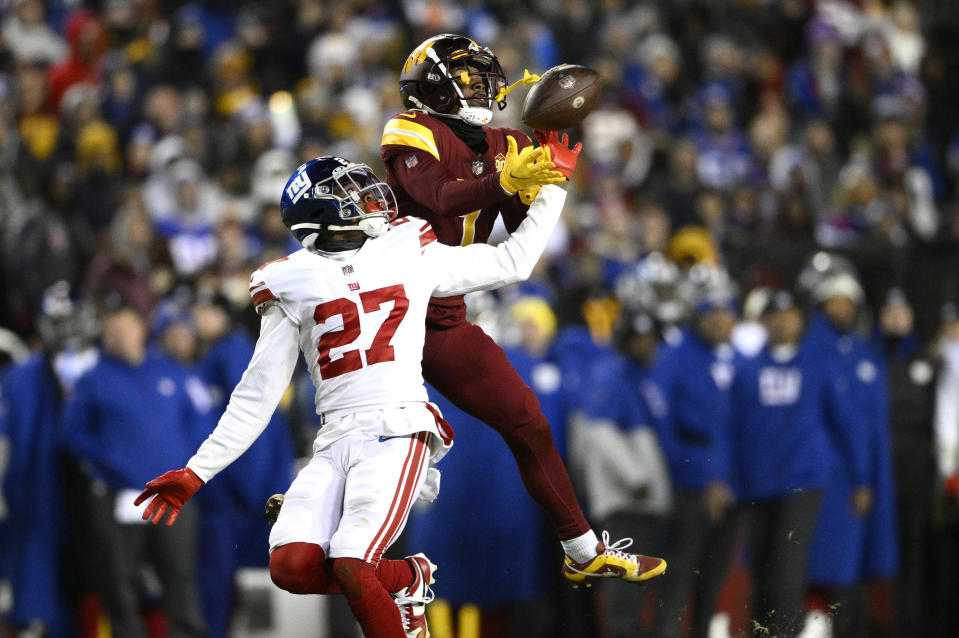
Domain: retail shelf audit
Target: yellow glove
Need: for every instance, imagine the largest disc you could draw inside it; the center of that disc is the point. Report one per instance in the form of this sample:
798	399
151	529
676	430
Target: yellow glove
528	194
529	167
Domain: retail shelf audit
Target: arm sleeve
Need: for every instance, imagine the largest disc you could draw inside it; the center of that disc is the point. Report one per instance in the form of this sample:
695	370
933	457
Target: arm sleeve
946	420
513	211
255	398
429	183
463	269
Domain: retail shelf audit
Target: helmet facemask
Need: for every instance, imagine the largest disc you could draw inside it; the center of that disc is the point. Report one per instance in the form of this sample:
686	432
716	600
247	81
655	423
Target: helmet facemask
362	201
479	73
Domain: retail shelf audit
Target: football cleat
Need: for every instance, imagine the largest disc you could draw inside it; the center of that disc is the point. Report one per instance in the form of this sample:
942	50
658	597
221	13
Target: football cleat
613	562
272	510
412	600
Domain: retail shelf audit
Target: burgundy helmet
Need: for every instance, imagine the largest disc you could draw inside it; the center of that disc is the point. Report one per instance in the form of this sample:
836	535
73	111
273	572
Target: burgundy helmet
435	72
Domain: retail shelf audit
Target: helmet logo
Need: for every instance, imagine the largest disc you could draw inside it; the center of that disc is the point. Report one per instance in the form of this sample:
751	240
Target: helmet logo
477	167
418	56
298	186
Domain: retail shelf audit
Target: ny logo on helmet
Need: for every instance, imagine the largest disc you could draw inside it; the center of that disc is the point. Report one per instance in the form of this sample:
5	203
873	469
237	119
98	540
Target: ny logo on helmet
298	187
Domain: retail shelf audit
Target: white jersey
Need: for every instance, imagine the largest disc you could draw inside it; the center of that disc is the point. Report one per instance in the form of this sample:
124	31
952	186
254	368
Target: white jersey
360	323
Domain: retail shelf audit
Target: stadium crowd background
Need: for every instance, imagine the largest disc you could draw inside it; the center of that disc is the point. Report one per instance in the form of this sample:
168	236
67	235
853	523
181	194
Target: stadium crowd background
144	146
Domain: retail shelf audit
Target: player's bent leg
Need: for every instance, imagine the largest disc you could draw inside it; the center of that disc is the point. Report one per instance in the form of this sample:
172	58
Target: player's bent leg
373	517
303	568
470	381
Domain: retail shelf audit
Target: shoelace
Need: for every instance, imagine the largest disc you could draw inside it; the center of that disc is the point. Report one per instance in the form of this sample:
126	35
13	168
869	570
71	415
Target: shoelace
612	549
425	599
616	549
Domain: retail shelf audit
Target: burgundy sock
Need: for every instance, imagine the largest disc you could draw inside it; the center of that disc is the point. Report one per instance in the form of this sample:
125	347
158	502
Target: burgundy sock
395	575
371	604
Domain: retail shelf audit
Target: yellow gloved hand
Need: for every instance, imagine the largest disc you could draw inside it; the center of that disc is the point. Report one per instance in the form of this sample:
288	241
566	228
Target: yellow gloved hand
528	194
529	167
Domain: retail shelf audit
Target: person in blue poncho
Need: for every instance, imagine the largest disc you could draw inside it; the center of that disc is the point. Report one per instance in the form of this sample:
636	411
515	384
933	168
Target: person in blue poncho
855	537
128	419
912	404
615	453
696	378
33	520
786	407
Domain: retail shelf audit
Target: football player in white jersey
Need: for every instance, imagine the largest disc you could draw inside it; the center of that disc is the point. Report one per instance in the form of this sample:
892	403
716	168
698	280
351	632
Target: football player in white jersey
354	301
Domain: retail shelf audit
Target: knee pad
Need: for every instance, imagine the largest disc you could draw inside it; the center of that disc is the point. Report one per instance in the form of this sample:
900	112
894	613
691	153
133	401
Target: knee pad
294	567
354	576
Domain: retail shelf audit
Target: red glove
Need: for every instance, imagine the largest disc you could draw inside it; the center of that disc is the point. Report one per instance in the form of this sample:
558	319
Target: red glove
172	490
563	157
950	485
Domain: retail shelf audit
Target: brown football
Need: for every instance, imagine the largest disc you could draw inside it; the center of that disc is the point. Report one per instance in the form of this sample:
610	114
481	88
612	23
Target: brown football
562	97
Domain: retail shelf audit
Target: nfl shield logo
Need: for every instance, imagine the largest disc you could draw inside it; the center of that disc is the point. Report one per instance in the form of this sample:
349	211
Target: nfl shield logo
478	167
411	161
566	81
348	270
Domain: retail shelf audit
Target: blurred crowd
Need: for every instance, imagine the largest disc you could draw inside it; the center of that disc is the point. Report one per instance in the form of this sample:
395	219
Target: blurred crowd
766	182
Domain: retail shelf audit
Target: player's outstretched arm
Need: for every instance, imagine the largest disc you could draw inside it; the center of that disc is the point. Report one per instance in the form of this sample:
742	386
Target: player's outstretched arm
464	269
246	416
482	267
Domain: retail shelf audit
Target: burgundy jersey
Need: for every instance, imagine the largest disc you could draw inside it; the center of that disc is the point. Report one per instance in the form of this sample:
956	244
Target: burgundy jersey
437	177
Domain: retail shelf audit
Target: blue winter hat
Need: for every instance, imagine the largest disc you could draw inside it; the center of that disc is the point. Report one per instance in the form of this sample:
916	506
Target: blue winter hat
718	300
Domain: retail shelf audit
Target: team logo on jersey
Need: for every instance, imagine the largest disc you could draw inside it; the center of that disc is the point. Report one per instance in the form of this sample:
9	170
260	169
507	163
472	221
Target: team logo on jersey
411	161
348	270
353	285
500	160
779	386
478	167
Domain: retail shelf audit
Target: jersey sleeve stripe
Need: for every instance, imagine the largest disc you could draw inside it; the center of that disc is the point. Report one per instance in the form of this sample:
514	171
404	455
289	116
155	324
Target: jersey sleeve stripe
261	297
427	237
404	133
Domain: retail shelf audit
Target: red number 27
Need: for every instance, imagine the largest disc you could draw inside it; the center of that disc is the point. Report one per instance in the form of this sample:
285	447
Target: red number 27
380	350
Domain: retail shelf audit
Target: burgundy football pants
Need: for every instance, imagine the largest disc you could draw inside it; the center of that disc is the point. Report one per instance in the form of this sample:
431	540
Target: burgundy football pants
467	367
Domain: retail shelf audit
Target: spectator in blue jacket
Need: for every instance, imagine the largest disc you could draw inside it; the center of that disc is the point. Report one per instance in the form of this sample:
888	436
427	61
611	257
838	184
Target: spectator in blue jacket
129	418
696	377
615	453
855	537
786	406
32	485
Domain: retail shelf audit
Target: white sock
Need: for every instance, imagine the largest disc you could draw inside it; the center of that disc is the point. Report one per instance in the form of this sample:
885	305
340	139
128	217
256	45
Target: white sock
582	548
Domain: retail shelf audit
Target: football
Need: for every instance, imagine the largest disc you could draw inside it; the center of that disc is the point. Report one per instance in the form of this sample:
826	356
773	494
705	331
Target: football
562	97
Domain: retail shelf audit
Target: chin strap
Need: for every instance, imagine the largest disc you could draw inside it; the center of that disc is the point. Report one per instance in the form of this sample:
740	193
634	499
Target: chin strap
528	78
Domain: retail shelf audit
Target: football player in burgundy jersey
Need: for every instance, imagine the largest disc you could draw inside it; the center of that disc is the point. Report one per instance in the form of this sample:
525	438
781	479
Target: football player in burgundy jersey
444	163
354	302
